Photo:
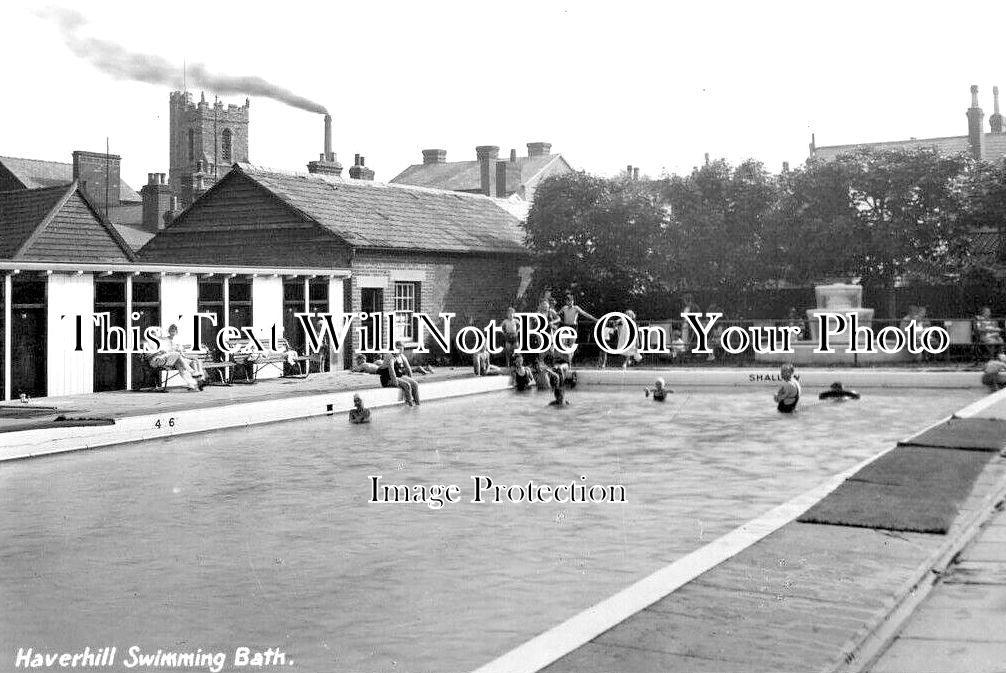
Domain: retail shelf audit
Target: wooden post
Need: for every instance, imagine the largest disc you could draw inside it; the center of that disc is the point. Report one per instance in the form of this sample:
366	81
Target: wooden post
7	313
129	325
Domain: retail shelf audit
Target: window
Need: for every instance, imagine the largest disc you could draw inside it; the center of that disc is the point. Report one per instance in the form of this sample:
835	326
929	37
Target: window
192	145
406	303
225	146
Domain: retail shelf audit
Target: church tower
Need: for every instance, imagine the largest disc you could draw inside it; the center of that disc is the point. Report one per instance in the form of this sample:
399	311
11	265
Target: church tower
205	140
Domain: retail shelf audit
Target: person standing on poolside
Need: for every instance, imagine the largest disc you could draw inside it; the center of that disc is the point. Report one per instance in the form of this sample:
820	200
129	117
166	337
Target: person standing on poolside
510	335
569	316
789	392
629	350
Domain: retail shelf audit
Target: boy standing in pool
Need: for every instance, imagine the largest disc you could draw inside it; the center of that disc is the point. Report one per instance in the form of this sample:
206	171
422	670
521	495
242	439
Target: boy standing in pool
659	391
789	393
359	413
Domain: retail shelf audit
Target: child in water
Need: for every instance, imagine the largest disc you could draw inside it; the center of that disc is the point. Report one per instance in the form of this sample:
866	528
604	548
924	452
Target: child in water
523	377
837	392
359	413
789	393
658	391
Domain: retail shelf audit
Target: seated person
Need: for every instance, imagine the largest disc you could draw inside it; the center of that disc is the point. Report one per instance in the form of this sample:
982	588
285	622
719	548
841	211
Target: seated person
789	392
560	398
658	391
359	413
481	364
522	375
395	371
994	374
169	356
837	392
677	346
567	377
361	366
544	377
987	332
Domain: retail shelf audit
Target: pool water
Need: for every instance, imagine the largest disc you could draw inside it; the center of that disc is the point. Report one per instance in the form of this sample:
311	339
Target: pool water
264	537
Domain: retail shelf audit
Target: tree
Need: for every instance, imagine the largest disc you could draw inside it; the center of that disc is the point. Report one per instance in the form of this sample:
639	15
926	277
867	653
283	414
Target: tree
882	215
719	216
597	236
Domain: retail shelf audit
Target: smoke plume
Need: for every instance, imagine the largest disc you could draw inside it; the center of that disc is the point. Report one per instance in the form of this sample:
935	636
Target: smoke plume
120	63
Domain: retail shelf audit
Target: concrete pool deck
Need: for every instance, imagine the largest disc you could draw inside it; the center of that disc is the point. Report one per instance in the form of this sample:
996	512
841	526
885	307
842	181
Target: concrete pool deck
810	597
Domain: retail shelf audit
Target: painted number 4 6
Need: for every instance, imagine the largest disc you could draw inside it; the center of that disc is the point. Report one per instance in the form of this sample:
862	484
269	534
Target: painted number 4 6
171	423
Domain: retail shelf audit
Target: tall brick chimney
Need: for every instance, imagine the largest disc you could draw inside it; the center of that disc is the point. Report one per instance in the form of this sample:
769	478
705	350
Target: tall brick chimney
95	171
539	149
507	178
996	120
327	163
487	156
358	171
157	200
434	156
976	135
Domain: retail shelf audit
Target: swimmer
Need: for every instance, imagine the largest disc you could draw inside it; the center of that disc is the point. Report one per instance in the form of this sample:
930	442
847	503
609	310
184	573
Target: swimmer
560	398
837	392
994	374
658	391
522	375
567	377
359	413
789	393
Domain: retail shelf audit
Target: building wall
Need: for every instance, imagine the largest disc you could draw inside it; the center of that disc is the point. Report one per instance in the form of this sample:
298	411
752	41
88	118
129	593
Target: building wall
179	297
69	372
477	288
267	310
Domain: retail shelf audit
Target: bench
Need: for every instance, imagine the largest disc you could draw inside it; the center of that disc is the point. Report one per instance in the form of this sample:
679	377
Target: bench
210	367
253	361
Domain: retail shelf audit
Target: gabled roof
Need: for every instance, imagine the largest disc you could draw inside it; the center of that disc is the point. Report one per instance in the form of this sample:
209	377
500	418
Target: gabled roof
36	216
367	214
466	176
33	173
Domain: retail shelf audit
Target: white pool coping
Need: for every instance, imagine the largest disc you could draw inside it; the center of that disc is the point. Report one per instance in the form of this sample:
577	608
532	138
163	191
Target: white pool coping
768	376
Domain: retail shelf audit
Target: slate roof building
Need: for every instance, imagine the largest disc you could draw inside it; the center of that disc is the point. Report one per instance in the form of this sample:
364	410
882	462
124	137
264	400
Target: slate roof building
89	169
409	249
487	174
989	146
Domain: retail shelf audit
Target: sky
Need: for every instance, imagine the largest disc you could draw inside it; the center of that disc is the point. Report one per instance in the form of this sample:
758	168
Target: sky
655	85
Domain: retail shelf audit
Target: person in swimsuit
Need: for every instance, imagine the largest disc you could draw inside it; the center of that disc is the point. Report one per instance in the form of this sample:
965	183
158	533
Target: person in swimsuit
544	377
631	351
395	371
789	393
837	392
658	391
481	364
569	316
361	366
522	376
994	374
359	413
510	335
560	398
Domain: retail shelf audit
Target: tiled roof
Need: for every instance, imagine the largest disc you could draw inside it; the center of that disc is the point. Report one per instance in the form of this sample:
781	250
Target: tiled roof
949	145
34	173
135	238
377	215
466	176
21	213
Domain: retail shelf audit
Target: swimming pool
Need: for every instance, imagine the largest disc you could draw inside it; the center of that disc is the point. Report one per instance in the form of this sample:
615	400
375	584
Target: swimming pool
264	537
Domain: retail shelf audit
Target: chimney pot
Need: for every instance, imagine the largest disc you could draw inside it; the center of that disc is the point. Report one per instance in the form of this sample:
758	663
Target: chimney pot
434	156
487	152
151	180
539	149
513	155
635	172
356	159
628	170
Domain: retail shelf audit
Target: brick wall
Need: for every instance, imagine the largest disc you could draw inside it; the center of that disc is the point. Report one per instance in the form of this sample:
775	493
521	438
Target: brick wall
475	287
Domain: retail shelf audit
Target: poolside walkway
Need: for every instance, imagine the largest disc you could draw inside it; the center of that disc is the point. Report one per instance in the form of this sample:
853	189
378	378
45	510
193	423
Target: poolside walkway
961	625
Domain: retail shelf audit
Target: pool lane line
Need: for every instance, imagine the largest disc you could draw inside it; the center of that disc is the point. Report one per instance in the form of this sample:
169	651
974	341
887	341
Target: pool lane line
577	631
